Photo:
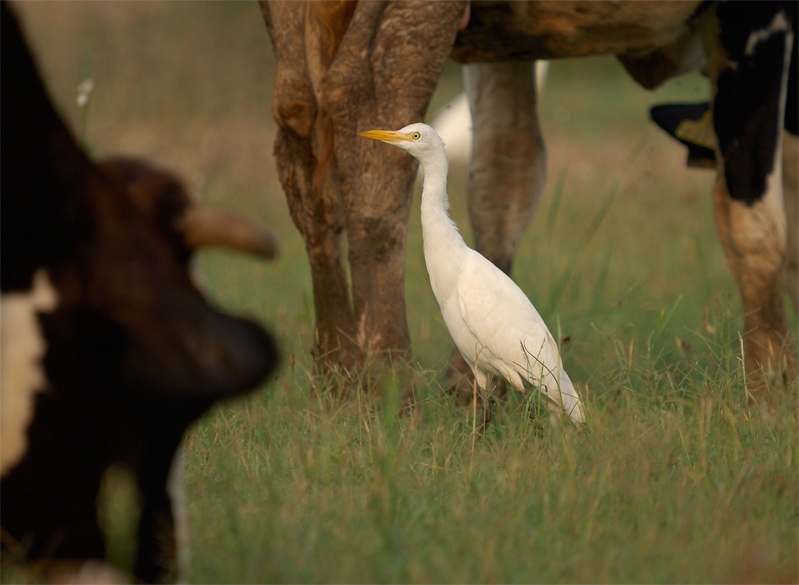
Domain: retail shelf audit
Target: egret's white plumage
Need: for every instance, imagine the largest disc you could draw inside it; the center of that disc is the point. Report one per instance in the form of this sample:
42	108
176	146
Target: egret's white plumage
493	323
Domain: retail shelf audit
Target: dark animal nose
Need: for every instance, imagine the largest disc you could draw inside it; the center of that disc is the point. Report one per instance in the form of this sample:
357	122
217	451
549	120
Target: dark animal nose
241	358
198	357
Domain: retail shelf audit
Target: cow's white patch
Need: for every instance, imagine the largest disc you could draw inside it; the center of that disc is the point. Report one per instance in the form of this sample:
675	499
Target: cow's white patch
773	198
773	201
778	24
22	347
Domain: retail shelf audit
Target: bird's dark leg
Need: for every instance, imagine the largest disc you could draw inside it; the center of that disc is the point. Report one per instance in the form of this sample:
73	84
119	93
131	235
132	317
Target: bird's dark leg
479	426
533	407
488	414
474	412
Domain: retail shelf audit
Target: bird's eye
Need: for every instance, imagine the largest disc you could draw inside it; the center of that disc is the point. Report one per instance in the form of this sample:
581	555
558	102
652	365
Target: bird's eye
416	135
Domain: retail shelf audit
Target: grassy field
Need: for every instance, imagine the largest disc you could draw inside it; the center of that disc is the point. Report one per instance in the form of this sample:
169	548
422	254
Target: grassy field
673	480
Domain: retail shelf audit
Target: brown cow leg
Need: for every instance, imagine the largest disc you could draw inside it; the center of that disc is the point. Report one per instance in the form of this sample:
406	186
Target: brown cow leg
749	201
381	78
507	170
755	245
790	185
307	174
317	215
343	68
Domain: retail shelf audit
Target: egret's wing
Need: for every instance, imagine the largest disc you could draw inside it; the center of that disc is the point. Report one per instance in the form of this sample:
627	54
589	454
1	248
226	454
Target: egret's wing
511	332
500	315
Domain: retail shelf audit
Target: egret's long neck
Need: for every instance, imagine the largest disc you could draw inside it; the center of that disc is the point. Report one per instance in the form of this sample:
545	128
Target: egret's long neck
436	222
443	244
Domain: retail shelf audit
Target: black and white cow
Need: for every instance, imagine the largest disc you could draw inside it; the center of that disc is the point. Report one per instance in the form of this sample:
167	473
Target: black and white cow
749	52
109	351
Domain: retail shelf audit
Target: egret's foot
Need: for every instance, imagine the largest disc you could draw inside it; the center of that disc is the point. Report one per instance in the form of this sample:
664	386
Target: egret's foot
535	414
536	424
485	418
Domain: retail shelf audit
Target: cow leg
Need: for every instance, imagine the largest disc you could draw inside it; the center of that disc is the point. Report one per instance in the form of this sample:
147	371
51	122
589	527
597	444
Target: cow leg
157	555
754	243
307	174
749	73
507	170
790	185
382	78
55	518
508	166
790	168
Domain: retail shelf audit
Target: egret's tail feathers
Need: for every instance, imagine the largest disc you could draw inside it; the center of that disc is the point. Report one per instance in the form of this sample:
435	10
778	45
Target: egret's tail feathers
554	382
570	400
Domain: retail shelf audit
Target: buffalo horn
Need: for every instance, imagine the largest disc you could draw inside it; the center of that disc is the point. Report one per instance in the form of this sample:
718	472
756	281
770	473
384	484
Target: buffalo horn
208	226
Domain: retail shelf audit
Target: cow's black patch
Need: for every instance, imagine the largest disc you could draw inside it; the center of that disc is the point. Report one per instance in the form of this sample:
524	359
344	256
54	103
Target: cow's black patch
746	114
41	217
670	118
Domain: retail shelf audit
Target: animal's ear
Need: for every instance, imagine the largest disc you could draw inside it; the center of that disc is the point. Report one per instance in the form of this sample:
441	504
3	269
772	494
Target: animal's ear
206	226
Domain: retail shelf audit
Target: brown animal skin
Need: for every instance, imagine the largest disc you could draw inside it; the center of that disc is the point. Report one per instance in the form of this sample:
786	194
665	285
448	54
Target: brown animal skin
345	67
332	56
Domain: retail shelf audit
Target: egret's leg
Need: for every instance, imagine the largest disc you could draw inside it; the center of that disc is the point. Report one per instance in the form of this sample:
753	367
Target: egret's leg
474	412
487	414
481	381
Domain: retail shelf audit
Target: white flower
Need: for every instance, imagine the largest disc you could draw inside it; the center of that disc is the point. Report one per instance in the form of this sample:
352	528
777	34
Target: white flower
85	87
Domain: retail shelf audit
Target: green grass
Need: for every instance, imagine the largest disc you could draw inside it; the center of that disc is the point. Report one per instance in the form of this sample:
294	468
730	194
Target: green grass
674	479
674	484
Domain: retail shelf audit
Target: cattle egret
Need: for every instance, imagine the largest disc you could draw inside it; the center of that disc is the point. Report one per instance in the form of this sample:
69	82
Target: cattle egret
493	323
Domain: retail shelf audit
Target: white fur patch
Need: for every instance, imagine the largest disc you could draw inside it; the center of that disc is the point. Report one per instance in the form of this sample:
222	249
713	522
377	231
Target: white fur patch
773	198
22	347
778	25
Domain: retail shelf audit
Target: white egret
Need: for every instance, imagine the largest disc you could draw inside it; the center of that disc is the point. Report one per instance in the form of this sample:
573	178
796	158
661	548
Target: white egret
493	323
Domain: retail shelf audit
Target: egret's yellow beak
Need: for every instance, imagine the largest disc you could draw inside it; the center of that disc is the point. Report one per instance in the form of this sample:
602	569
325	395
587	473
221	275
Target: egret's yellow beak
386	135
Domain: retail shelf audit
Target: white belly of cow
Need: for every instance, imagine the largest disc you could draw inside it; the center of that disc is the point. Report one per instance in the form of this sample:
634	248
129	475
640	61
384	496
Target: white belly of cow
22	347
